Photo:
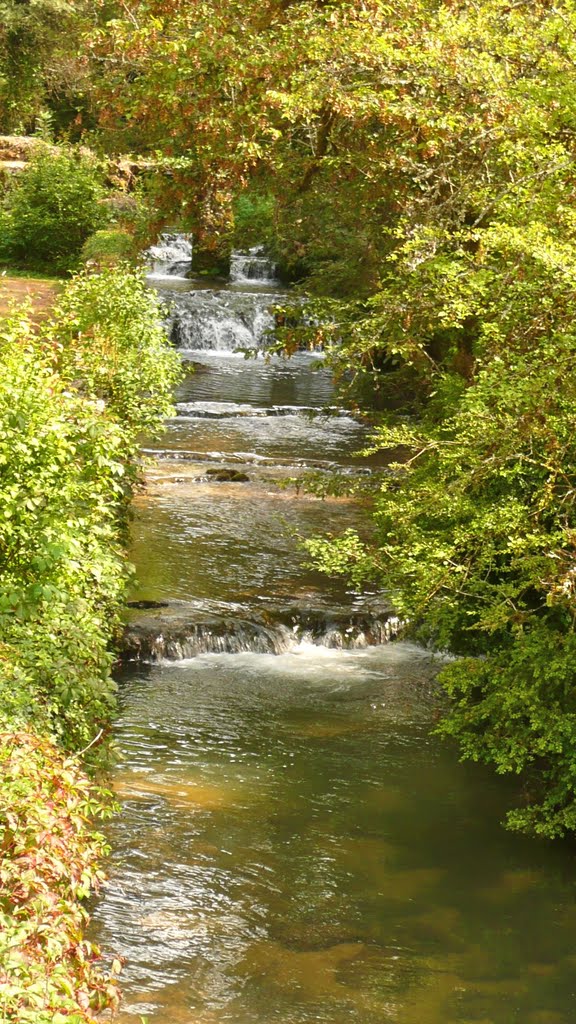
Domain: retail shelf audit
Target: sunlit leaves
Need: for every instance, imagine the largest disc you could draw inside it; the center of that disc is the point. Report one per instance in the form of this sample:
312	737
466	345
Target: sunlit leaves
74	395
74	400
50	864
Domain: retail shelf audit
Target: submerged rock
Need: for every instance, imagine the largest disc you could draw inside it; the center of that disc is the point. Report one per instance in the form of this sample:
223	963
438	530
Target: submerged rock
146	605
229	476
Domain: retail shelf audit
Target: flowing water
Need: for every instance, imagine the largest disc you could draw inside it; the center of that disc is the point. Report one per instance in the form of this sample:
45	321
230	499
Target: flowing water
295	846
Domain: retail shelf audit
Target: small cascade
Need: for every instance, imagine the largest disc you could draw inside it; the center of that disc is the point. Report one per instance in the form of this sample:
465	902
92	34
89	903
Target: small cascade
232	637
183	631
171	257
236	410
252	268
231	432
221	320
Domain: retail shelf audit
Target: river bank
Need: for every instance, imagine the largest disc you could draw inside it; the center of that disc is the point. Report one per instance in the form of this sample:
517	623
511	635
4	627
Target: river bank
76	391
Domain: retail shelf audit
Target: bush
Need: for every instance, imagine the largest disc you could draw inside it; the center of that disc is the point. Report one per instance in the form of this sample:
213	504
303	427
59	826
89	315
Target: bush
53	207
61	566
474	542
50	855
107	248
73	401
114	349
75	393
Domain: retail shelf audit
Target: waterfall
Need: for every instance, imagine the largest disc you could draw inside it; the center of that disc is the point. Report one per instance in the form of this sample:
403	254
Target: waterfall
221	320
239	433
229	318
183	631
171	256
252	267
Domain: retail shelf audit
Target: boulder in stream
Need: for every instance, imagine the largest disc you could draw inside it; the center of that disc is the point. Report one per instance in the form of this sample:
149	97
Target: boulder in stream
225	476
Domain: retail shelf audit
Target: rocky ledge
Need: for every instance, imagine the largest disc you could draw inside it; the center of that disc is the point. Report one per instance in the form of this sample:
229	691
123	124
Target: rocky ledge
174	630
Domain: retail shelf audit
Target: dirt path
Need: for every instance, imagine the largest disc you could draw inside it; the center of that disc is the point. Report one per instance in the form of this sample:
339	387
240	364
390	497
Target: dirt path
15	290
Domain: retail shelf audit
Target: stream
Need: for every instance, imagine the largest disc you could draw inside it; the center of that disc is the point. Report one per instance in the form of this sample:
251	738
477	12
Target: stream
295	845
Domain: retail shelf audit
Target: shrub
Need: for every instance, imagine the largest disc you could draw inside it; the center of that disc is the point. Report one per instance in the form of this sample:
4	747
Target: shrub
74	395
54	206
106	248
474	542
73	402
50	855
114	349
61	568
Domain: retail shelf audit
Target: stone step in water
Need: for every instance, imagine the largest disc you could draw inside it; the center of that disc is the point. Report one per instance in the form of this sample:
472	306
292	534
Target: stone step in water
175	630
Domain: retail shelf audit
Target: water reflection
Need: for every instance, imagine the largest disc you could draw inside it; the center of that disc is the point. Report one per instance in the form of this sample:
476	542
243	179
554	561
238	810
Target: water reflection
229	542
272	380
296	848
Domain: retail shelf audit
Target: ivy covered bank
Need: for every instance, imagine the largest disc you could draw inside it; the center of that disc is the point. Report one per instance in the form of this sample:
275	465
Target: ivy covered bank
75	395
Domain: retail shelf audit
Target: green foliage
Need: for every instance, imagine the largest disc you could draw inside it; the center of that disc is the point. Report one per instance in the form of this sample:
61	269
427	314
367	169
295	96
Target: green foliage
42	75
50	858
253	219
474	541
53	206
107	248
6	241
61	571
113	349
418	158
75	393
73	401
44	127
517	711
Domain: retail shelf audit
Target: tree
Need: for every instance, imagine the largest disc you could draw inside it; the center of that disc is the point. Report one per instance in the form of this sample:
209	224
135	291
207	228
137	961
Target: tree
40	69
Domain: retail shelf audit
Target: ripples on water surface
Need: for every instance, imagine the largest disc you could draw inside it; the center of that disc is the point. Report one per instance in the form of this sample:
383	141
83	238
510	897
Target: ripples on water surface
302	380
295	847
231	541
263	383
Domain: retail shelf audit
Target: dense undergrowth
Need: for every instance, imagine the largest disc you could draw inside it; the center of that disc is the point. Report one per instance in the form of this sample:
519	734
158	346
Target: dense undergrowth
51	858
76	393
